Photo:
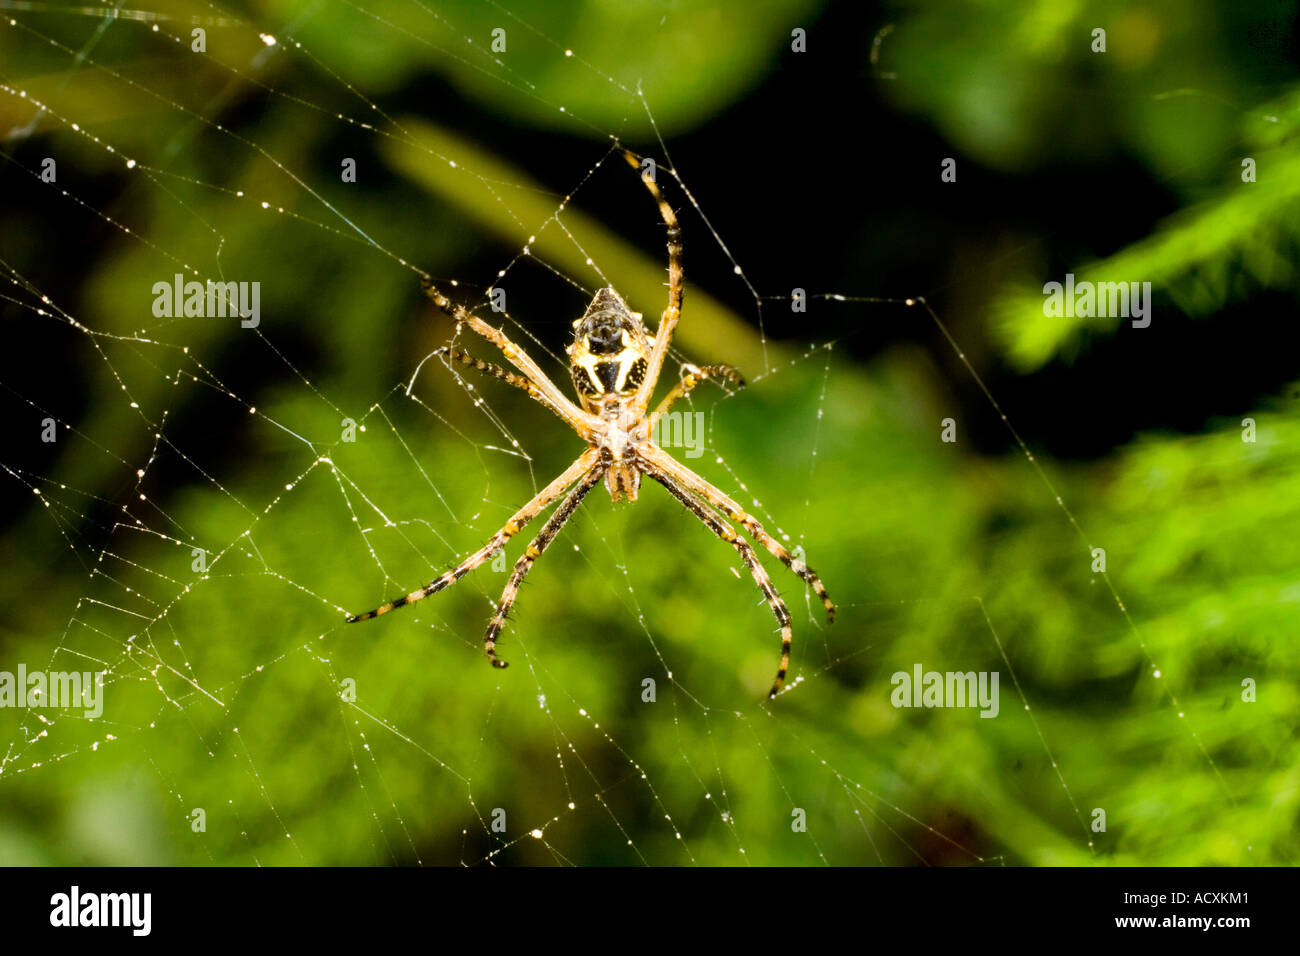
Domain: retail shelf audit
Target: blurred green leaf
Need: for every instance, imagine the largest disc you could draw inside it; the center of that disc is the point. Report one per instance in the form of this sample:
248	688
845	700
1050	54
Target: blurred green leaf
1218	251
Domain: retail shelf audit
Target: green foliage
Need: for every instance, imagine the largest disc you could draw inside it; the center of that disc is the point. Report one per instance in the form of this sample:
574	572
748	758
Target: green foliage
1235	243
1016	83
908	533
632	44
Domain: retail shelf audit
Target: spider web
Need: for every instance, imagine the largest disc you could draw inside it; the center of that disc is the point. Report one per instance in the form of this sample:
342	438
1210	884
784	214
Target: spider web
238	691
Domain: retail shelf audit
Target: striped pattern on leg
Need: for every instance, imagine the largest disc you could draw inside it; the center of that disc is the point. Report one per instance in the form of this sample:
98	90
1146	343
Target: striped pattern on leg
517	521
723	503
549	394
487	368
534	551
690	380
664	334
756	570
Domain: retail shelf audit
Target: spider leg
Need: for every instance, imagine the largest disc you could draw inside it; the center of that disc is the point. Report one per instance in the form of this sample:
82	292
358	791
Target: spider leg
664	334
496	371
534	551
723	503
690	380
520	518
548	393
756	570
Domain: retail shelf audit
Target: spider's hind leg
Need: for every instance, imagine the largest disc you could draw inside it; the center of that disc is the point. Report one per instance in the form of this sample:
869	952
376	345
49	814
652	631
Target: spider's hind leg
724	503
756	570
534	551
520	518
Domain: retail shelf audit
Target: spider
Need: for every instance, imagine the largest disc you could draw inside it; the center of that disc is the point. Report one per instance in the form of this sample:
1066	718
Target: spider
614	365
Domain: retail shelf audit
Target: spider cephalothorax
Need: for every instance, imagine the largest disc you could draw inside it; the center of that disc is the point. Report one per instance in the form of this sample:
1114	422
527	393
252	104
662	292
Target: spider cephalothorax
615	366
610	353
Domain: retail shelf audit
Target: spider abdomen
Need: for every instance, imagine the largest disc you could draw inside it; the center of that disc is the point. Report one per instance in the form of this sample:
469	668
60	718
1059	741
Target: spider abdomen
608	357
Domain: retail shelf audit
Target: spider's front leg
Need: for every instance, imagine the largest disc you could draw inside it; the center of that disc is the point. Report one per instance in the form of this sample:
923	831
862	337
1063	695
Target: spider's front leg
534	551
668	322
487	368
692	377
581	466
542	388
